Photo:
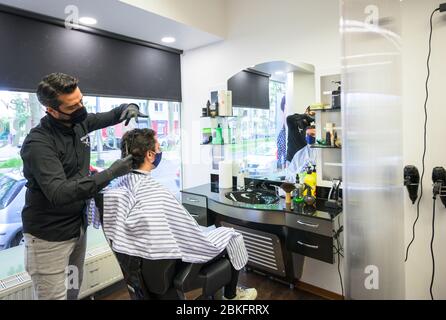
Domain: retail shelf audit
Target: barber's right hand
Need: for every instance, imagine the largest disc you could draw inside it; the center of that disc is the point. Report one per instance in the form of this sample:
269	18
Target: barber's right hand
121	167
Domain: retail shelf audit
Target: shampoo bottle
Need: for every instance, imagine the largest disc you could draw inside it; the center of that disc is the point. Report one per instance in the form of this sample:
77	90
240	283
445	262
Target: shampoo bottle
218	135
241	180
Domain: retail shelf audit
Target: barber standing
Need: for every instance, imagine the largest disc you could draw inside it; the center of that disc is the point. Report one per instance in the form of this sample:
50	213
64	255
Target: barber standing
299	126
56	161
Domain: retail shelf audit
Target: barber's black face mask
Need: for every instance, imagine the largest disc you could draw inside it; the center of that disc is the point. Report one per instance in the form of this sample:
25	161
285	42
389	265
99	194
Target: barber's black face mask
77	116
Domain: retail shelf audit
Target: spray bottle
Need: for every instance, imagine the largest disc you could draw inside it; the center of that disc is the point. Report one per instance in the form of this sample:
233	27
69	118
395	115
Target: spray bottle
311	180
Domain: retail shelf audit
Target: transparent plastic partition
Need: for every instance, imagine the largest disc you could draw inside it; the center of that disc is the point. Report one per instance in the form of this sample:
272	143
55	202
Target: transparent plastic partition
372	150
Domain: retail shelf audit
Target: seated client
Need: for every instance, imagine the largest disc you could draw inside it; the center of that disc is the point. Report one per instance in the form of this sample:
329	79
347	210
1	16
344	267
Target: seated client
143	219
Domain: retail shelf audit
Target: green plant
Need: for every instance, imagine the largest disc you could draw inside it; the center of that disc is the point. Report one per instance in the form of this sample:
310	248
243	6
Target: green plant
21	108
11	163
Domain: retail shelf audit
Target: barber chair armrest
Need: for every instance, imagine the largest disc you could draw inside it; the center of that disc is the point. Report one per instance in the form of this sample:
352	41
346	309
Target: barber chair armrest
186	277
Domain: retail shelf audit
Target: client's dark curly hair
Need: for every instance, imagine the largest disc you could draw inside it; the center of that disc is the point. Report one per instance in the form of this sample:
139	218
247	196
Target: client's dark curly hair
138	142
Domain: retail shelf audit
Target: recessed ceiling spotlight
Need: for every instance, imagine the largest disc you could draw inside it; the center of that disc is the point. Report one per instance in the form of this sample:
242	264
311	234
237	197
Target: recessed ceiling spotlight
168	39
88	20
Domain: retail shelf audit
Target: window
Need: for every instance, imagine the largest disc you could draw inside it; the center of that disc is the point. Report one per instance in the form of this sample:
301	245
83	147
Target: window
260	139
160	129
160	119
158	107
19	112
9	187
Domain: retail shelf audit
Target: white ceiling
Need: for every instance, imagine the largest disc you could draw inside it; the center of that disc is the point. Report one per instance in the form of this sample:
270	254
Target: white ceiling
115	16
281	66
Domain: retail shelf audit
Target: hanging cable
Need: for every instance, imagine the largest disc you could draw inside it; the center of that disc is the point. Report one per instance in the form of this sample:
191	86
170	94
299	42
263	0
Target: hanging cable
339	252
339	269
432	251
425	133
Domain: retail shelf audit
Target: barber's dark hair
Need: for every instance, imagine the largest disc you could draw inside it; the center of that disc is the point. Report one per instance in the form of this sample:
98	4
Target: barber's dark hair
54	85
138	142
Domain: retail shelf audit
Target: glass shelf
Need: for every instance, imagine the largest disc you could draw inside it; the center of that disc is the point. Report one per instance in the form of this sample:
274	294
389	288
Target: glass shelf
334	128
326	110
323	147
333	164
218	117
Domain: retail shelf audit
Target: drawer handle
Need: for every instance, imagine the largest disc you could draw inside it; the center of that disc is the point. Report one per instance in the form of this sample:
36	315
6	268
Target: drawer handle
94	270
95	285
308	224
307	245
192	200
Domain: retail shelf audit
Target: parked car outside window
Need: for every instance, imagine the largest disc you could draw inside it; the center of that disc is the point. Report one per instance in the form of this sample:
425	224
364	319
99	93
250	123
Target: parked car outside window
12	199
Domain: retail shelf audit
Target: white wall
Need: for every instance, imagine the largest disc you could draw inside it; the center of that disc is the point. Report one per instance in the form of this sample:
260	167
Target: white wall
304	92
415	40
259	31
300	91
206	15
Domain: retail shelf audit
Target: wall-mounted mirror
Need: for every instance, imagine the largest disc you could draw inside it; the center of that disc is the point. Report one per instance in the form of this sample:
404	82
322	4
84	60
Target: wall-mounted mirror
264	95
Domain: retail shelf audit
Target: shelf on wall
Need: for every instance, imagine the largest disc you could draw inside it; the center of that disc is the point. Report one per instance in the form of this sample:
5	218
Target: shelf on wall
218	117
326	110
333	164
334	128
323	147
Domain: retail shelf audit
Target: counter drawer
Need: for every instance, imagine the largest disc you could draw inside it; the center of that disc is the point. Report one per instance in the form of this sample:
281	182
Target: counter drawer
198	213
314	225
310	245
194	200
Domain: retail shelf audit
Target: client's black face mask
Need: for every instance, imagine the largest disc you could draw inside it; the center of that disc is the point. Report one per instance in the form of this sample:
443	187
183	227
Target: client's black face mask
77	116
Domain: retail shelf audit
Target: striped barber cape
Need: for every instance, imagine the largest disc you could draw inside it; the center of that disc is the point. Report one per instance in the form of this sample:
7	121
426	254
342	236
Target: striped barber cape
143	219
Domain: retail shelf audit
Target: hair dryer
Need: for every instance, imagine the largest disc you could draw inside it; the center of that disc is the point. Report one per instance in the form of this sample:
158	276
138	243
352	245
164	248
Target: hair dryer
411	181
439	179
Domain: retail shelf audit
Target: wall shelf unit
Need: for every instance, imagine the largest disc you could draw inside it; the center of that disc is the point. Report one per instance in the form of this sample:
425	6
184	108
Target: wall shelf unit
227	137
329	158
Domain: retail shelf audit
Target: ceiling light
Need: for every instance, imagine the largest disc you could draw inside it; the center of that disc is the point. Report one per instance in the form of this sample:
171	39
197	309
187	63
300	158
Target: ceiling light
88	20
279	73
168	39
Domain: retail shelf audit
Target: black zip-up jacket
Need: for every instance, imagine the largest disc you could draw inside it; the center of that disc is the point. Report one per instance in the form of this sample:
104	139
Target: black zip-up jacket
56	163
297	133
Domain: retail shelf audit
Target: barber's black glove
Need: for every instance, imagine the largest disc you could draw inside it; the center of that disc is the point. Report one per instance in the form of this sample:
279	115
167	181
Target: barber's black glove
121	167
117	169
131	111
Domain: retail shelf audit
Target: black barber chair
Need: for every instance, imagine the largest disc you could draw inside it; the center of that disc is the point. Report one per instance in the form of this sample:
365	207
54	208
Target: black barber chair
171	279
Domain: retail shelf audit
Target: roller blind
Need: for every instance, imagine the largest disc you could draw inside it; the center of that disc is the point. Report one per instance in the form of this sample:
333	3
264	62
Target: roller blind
250	89
106	66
